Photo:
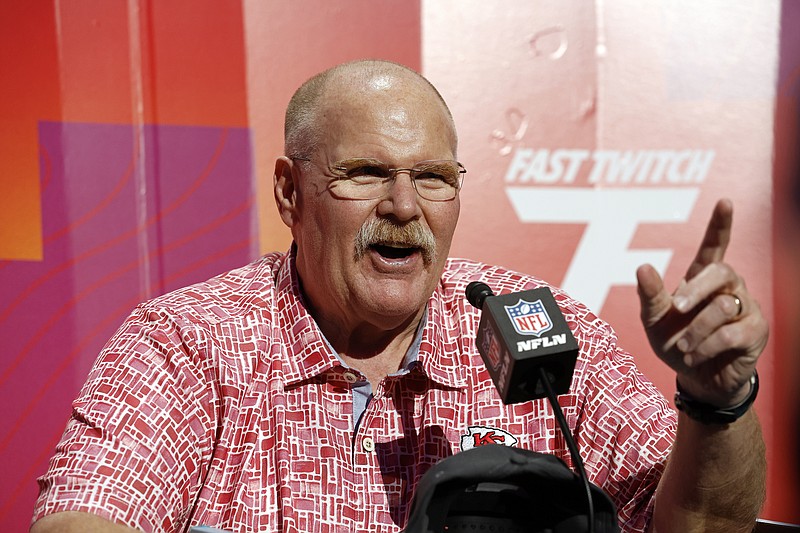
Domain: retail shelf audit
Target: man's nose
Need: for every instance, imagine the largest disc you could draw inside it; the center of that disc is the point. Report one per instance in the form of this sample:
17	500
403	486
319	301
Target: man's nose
401	199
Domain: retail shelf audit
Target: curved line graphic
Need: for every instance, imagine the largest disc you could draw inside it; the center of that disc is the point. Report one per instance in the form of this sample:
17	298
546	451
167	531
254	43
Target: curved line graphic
29	473
103	204
66	361
72	302
115	315
120	238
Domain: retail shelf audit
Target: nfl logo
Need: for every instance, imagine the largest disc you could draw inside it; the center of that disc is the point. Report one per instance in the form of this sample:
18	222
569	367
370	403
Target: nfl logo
529	318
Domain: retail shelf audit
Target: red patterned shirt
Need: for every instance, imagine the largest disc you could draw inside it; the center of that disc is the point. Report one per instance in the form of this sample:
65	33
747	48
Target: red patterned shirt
222	404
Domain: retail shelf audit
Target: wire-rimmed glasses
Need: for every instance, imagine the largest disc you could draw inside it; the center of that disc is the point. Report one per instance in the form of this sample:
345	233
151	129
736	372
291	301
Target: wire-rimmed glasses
364	178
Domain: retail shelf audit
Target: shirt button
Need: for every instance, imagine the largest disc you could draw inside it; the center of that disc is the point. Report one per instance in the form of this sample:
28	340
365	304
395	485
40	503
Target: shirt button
368	444
350	377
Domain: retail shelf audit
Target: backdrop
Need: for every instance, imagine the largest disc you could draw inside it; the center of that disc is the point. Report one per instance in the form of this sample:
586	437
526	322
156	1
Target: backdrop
137	140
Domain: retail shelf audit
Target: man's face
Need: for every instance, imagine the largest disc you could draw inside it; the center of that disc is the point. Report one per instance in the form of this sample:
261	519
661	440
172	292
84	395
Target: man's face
385	286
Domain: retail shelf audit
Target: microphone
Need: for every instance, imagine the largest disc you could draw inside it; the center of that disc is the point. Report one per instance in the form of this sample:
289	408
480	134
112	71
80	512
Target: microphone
530	353
523	337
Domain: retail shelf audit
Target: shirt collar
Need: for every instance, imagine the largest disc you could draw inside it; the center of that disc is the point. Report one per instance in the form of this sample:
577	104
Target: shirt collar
307	352
441	351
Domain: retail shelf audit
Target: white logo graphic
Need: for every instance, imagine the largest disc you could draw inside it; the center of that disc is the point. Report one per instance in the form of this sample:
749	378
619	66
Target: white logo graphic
612	214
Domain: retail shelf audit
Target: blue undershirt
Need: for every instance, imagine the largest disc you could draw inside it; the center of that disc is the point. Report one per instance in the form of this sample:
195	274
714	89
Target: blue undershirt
362	389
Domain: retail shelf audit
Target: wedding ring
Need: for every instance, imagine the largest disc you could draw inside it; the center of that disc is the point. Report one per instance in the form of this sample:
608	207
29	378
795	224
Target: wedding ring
739	305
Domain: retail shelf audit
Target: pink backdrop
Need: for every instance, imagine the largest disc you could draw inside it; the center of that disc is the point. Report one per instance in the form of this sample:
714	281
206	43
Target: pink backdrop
137	141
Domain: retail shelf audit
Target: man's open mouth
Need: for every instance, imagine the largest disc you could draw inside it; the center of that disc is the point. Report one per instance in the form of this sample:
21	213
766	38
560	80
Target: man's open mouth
394	250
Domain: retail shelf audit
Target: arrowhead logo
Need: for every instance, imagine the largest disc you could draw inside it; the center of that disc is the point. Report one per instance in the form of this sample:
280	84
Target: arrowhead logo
482	435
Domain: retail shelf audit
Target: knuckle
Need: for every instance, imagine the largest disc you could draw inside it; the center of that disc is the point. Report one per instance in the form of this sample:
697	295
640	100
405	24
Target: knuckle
729	337
727	305
726	271
763	328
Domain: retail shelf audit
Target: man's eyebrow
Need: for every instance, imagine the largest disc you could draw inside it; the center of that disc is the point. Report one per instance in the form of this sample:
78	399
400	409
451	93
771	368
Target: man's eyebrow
351	160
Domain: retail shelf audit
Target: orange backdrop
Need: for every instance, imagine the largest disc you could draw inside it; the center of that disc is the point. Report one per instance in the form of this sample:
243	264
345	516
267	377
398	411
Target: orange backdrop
137	140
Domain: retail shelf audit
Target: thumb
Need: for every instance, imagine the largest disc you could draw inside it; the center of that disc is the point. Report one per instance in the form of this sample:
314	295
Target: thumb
654	300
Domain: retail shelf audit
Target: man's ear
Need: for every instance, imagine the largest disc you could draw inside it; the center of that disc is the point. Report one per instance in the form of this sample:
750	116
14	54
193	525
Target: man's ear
283	182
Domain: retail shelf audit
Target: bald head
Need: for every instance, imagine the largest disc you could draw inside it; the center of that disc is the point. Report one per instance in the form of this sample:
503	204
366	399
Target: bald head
364	79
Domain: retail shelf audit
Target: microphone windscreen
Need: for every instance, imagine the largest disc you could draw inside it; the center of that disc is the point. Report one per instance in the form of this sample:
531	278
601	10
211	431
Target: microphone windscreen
477	292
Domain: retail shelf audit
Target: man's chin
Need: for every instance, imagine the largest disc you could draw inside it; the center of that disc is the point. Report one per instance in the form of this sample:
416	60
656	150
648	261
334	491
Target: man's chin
396	300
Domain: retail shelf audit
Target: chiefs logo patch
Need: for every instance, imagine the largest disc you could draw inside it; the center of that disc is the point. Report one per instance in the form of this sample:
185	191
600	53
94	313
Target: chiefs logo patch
482	435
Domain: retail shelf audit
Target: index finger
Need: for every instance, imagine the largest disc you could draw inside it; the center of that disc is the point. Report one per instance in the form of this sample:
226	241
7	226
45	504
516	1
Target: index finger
716	239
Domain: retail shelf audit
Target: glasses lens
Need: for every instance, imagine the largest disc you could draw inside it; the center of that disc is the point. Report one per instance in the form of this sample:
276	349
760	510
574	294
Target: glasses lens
360	179
437	180
367	179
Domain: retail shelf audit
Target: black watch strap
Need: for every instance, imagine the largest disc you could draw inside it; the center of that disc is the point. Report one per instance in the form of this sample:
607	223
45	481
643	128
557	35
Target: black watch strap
711	414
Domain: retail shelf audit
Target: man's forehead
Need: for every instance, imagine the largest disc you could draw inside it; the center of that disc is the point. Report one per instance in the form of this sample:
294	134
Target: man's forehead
388	95
361	86
390	123
380	82
391	99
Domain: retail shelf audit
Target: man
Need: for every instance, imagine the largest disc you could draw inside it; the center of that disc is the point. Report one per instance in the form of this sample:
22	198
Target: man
310	391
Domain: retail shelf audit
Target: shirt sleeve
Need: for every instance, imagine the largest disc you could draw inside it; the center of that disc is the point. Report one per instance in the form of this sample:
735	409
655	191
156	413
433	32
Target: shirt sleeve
134	448
625	431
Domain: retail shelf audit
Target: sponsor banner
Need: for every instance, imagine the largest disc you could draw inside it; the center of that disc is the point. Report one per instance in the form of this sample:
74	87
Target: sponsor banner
613	193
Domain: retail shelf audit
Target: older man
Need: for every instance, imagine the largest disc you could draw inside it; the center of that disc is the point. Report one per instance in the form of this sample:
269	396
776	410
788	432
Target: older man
309	391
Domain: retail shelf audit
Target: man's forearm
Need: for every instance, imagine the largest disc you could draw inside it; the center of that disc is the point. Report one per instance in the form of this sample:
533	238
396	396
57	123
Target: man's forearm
68	522
715	478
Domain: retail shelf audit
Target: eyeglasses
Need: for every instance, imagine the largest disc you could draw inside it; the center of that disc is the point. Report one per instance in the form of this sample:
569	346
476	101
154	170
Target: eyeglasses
367	179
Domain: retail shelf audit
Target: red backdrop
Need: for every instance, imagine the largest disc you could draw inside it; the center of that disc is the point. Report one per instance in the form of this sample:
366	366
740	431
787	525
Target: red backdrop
137	140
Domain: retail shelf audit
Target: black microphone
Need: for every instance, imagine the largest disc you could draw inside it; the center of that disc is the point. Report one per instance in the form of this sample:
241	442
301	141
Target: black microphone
521	337
530	353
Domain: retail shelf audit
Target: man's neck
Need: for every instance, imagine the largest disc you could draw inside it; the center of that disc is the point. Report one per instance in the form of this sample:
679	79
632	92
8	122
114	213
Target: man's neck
375	353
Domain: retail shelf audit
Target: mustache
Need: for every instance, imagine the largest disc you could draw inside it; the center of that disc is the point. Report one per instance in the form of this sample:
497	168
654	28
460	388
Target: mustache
385	232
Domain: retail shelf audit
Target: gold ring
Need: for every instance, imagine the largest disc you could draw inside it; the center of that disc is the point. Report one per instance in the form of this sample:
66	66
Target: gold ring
739	305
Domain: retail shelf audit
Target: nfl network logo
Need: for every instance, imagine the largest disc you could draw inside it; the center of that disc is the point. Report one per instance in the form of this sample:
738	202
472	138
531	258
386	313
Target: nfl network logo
529	318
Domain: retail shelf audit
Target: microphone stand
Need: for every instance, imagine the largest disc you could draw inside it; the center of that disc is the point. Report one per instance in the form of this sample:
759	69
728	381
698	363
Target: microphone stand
573	449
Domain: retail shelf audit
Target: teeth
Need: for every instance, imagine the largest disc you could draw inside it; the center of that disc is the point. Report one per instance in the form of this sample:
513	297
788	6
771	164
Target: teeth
394	244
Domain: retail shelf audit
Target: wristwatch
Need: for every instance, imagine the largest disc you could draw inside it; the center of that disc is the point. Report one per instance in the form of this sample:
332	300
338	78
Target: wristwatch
711	414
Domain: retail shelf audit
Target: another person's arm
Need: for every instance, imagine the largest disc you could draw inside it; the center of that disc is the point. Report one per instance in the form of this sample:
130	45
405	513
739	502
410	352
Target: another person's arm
711	332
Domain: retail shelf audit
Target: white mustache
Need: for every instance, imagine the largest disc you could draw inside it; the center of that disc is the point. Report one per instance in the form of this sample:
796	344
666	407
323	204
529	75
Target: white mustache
382	231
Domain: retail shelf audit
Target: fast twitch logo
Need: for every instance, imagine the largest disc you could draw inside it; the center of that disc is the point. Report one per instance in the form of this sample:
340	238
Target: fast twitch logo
619	190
